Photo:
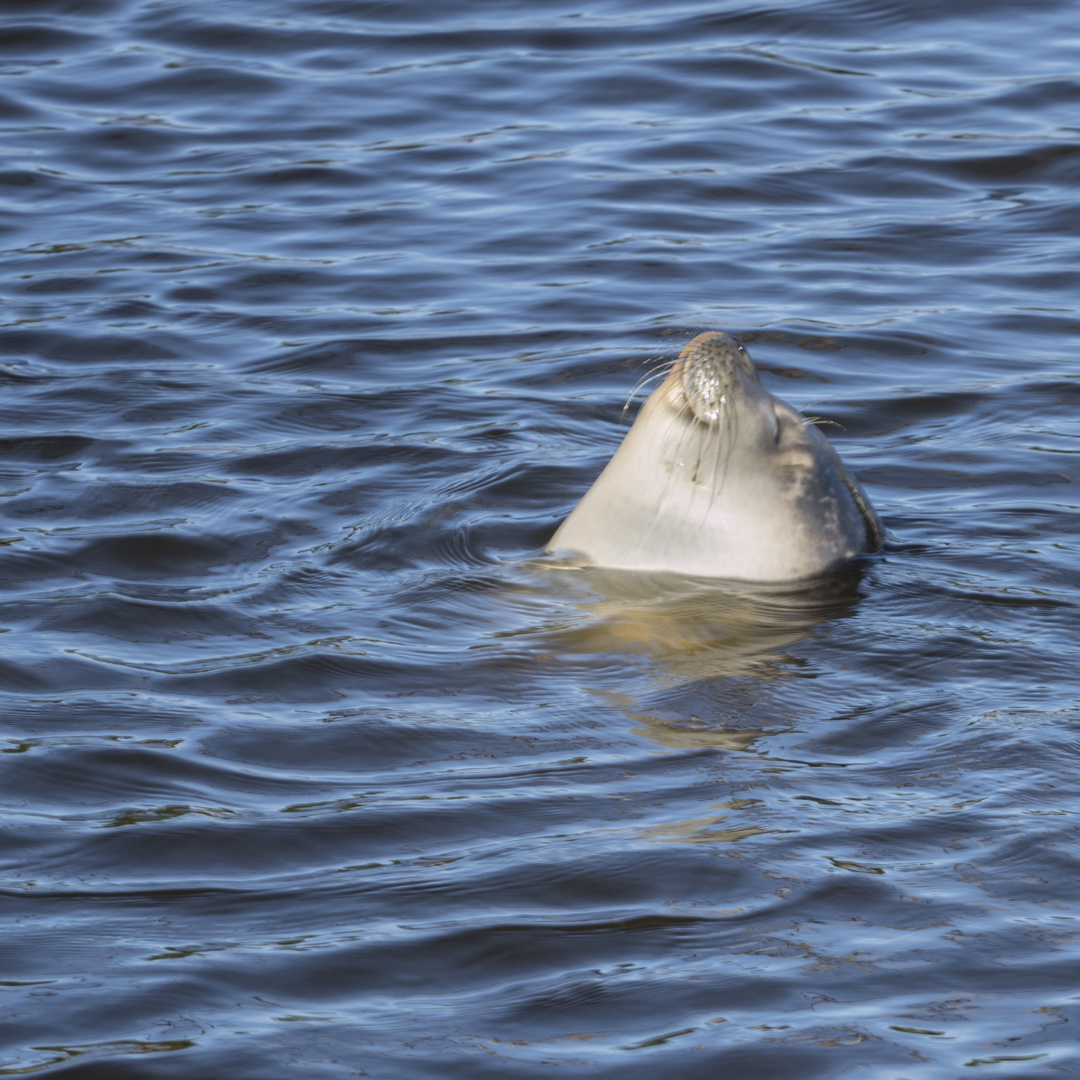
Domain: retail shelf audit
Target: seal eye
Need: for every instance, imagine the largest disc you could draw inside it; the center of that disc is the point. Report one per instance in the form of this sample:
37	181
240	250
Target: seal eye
781	425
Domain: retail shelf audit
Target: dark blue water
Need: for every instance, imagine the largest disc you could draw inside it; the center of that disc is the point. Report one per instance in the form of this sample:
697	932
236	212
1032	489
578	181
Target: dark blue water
317	318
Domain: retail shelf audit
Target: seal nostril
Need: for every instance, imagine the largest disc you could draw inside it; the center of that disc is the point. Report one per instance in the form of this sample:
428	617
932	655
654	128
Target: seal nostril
706	368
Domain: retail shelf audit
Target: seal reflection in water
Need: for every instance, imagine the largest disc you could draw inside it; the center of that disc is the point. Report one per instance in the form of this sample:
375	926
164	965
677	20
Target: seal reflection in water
717	478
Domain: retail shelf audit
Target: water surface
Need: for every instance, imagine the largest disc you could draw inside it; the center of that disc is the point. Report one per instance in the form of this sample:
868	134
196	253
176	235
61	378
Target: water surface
317	318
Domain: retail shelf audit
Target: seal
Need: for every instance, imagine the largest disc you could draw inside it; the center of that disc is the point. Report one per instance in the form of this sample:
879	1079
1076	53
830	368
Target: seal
717	478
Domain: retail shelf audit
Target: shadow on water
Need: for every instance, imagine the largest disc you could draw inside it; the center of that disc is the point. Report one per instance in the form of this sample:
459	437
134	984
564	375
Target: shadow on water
701	657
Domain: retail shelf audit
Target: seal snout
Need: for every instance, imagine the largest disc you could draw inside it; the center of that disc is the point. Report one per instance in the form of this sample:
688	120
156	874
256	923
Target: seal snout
709	369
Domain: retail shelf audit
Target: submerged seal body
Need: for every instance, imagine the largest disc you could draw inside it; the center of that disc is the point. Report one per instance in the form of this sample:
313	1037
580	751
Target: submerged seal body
718	478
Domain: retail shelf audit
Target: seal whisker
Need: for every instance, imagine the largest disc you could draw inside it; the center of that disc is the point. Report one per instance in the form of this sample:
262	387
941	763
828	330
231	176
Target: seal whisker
724	439
660	372
677	458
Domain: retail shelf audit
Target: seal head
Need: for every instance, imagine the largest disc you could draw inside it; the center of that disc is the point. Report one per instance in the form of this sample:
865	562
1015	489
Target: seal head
718	478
